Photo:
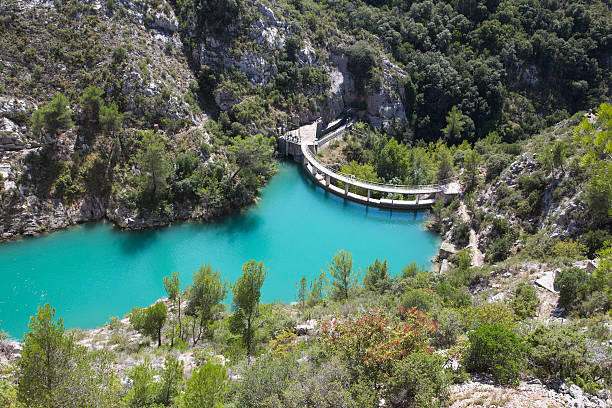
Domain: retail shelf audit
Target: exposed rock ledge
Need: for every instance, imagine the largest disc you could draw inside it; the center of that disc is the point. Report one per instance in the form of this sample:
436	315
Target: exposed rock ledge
33	216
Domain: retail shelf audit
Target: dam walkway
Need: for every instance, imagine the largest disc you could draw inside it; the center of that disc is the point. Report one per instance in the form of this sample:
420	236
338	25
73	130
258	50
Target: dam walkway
302	144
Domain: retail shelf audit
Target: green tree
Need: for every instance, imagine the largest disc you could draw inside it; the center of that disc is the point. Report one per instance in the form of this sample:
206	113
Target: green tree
172	285
525	302
154	166
495	349
361	62
150	320
91	102
144	389
206	388
445	164
558	155
377	277
391	161
455	122
110	119
53	116
343	278
471	162
205	300
54	372
246	295
302	290
171	381
316	292
45	361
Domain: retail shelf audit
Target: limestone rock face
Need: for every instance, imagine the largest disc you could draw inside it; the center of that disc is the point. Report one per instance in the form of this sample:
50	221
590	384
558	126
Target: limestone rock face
10	135
166	22
11	107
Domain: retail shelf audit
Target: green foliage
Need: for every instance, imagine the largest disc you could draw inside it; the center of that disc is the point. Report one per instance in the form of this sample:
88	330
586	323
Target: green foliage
583	293
150	320
562	352
265	381
172	286
419	380
144	389
91	102
573	286
377	277
110	119
495	349
171	381
154	165
525	302
424	300
53	371
205	296
458	126
245	301
343	277
302	290
53	116
371	343
360	171
362	59
461	233
206	388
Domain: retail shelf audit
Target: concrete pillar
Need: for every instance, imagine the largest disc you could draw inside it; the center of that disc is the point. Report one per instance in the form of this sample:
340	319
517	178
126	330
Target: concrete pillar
327	180
286	146
368	195
346	188
314	170
417	198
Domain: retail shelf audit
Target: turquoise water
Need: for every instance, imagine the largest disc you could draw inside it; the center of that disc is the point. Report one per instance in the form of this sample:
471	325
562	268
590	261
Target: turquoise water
93	271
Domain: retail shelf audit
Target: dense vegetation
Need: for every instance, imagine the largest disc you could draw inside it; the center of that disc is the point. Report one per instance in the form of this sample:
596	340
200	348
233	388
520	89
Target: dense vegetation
394	337
481	78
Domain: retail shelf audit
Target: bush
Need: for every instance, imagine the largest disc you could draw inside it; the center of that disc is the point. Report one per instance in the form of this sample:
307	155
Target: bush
500	249
495	349
525	303
264	382
448	329
361	60
461	233
53	116
496	163
562	352
573	286
419	380
423	300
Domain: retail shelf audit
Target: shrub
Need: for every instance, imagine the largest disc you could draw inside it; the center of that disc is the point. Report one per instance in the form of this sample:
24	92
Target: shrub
377	277
495	349
562	352
500	249
496	163
53	116
423	300
461	233
449	328
574	287
263	384
525	302
371	342
361	60
419	380
206	387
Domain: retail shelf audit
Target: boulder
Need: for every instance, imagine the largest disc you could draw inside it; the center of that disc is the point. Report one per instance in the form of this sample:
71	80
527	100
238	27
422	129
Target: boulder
547	281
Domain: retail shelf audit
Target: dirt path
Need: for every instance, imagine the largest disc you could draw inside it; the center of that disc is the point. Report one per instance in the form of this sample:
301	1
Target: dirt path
477	256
